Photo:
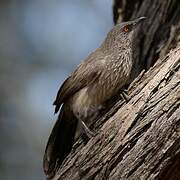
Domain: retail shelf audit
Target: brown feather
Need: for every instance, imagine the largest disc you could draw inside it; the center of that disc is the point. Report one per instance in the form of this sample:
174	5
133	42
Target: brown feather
87	72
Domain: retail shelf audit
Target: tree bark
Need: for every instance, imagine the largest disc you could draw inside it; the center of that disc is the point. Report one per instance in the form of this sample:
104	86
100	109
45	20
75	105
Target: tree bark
139	139
160	33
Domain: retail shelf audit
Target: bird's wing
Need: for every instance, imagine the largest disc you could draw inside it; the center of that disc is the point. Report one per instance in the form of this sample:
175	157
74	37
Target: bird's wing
87	72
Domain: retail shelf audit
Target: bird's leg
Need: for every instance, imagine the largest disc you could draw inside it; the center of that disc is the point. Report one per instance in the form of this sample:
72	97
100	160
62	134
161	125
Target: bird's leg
87	131
124	95
90	115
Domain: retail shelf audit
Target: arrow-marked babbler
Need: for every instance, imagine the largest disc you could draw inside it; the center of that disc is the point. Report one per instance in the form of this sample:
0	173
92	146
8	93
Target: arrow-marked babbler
99	77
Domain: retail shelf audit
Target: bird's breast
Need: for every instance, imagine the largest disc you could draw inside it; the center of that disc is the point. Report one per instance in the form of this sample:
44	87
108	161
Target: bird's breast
114	76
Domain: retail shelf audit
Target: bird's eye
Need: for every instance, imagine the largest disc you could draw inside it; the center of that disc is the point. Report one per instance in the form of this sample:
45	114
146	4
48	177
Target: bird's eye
126	29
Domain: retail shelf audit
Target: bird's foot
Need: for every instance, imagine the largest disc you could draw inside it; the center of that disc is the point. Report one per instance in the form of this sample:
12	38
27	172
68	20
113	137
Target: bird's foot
87	131
125	96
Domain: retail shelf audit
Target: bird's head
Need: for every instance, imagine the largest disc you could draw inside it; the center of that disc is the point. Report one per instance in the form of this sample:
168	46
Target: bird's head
122	34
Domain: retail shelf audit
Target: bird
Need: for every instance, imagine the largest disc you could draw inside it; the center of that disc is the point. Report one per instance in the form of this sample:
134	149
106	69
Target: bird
98	78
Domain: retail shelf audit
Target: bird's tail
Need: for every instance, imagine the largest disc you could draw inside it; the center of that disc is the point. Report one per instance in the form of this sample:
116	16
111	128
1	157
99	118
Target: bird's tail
60	141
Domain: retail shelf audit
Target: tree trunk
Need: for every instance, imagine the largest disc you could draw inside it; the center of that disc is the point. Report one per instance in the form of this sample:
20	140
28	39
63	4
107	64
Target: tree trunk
139	139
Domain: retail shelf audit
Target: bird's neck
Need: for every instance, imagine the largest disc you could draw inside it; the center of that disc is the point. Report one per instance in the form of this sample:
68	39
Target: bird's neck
116	47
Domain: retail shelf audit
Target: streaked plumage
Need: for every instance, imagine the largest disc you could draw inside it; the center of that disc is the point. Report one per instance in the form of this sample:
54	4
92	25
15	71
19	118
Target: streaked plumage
95	80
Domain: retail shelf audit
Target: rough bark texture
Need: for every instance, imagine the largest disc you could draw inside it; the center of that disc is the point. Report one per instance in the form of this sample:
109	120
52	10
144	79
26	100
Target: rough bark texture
139	139
158	35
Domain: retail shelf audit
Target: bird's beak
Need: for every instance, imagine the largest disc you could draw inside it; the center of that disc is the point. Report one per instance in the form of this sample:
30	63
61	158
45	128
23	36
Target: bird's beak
138	21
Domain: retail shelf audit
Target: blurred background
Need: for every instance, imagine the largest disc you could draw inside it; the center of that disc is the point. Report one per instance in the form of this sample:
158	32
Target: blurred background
41	42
